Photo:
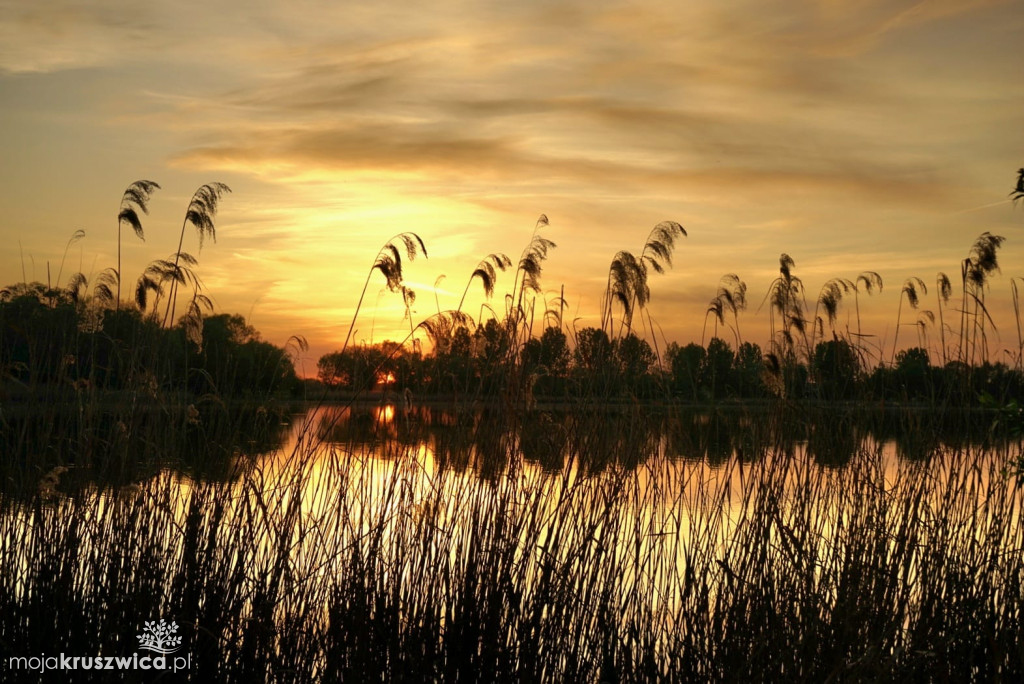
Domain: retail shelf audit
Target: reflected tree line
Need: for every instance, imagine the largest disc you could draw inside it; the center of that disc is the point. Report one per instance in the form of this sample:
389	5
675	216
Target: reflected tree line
482	440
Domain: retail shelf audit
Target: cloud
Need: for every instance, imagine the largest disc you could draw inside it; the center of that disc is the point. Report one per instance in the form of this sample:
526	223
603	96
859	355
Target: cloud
432	151
721	101
53	35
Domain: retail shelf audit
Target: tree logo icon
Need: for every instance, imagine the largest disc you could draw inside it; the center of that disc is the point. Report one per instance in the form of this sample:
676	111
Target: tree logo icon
159	637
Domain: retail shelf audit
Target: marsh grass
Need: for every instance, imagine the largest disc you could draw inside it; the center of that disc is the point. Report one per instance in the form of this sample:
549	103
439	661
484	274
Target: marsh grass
373	561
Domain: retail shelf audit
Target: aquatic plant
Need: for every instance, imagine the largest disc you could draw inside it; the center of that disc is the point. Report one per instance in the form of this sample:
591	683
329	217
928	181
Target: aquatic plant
487	273
135	199
910	287
389	263
201	212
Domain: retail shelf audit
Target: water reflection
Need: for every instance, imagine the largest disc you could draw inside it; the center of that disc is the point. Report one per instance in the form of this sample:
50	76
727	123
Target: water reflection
483	440
211	442
661	523
112	447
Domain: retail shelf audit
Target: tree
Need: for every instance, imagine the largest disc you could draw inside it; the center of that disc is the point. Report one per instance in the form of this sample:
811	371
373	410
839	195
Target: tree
912	373
836	368
356	368
716	368
492	345
234	361
748	369
635	359
547	358
594	359
685	365
593	353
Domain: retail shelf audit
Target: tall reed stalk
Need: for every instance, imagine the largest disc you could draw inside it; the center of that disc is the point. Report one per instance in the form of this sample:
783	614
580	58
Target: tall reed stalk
201	211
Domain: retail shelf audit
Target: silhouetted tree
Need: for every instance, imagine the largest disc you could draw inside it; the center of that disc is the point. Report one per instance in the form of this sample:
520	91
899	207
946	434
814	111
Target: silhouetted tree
836	369
748	369
716	369
636	360
685	365
912	374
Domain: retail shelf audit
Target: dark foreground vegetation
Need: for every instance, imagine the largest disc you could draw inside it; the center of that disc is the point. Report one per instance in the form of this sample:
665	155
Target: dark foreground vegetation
789	528
353	559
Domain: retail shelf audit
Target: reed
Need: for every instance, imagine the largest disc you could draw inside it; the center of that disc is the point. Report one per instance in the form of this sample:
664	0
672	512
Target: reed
135	199
201	212
909	291
335	560
389	263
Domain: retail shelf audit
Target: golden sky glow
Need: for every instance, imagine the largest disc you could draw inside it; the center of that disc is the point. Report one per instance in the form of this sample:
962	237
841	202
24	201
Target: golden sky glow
881	135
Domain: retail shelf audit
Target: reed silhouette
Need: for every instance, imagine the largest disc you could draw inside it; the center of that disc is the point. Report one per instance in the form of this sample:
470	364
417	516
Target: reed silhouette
135	199
487	273
975	271
201	212
389	263
910	287
627	275
785	299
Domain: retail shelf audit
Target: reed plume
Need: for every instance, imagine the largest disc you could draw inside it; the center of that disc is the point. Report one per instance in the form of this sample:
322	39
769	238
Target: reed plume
530	267
487	273
943	290
202	210
829	299
389	263
135	199
785	299
975	270
910	287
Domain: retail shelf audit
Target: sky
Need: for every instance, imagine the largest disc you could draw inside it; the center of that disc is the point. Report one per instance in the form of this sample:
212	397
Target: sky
880	135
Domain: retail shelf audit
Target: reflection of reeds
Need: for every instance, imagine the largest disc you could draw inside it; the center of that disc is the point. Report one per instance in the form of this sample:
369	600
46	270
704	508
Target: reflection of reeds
373	561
